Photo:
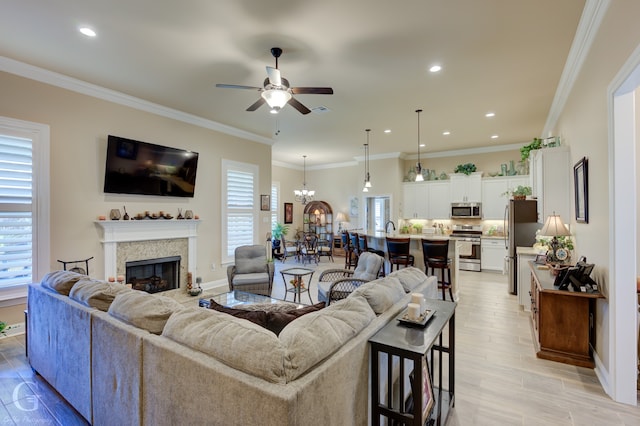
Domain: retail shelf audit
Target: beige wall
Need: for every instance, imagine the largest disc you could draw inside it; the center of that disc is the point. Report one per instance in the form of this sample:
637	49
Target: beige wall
79	127
584	125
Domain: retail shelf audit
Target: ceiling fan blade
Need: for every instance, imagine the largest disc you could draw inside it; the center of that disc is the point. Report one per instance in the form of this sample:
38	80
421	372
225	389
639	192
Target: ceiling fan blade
297	105
274	76
312	90
236	86
257	104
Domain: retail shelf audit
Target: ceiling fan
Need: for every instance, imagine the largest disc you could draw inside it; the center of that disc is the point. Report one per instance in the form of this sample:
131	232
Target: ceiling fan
277	92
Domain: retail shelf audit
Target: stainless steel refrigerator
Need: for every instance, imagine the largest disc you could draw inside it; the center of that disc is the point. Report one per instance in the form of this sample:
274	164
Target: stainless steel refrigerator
521	224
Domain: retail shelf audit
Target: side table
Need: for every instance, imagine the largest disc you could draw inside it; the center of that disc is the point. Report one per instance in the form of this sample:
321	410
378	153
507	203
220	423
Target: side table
409	350
298	274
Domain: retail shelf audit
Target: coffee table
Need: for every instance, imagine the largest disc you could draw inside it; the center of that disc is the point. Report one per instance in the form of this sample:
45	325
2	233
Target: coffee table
235	298
298	274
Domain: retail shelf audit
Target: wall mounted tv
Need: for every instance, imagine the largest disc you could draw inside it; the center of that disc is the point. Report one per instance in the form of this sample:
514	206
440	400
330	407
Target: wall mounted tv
135	167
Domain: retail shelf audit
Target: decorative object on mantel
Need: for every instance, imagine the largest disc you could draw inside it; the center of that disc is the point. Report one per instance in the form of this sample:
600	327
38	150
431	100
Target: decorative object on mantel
467	168
114	214
126	215
304	195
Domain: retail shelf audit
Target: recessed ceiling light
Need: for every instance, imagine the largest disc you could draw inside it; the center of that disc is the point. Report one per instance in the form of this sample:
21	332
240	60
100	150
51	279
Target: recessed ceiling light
388	131
446	133
435	68
494	136
87	31
490	114
422	145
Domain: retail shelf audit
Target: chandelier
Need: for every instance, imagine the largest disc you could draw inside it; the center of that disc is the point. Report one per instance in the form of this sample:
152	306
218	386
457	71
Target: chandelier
367	178
304	195
419	177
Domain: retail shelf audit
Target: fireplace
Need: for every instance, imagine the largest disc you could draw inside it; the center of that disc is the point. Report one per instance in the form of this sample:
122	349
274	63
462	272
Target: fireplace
154	275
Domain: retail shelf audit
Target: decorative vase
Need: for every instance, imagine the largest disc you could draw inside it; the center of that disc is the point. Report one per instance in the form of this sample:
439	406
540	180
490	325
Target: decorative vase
512	169
114	214
412	174
503	169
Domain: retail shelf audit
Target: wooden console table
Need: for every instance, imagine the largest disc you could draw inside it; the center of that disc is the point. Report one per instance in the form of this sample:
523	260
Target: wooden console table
415	353
562	321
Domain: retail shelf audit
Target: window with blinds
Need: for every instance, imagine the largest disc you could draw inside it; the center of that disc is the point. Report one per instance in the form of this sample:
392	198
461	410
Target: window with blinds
274	203
16	221
240	195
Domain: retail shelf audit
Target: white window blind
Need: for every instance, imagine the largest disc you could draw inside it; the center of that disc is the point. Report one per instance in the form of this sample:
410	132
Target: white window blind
16	226
274	204
240	183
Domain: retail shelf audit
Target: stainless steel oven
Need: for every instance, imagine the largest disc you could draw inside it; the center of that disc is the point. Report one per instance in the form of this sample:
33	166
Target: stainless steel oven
469	237
466	210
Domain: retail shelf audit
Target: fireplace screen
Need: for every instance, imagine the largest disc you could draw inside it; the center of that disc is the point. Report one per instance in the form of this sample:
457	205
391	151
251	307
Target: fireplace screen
154	275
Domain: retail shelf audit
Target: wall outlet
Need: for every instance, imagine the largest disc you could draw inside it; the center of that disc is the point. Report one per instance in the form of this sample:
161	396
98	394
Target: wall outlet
213	266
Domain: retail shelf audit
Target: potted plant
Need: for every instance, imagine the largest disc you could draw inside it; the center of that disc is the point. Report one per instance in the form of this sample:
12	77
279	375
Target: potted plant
277	232
418	228
520	193
467	168
526	150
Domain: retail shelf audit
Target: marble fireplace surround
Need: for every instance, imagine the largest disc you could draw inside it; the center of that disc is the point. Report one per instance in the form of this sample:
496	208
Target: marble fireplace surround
129	240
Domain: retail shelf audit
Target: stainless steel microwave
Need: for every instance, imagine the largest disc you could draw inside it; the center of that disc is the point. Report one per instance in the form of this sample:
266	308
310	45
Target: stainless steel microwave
466	210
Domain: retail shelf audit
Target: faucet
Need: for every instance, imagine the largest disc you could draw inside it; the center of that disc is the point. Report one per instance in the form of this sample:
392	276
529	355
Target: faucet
386	226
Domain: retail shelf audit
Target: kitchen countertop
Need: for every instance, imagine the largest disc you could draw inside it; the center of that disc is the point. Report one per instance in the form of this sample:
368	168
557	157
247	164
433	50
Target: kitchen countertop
493	237
529	250
382	235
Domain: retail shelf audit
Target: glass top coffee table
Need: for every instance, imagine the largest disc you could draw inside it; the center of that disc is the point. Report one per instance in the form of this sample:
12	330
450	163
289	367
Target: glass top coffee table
235	298
298	283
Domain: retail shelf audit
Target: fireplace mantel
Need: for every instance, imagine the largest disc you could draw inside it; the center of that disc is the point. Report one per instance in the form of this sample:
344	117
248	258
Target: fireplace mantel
117	231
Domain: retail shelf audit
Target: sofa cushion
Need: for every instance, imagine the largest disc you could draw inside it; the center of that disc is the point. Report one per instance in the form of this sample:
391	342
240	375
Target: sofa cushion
144	310
273	319
368	266
381	294
96	294
239	344
251	278
250	259
61	281
410	278
314	337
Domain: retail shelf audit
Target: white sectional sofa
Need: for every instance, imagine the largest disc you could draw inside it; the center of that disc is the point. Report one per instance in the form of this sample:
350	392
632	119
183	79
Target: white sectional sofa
125	357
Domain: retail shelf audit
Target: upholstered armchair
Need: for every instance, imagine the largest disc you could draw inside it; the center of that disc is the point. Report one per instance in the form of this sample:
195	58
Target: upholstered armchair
251	272
336	284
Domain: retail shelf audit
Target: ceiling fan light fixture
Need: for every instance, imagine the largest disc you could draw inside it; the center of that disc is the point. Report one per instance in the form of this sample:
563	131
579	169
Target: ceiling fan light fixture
276	98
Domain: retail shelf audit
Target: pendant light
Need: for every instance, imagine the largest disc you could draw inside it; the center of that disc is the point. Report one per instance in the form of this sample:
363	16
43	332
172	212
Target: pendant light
419	177
304	195
367	178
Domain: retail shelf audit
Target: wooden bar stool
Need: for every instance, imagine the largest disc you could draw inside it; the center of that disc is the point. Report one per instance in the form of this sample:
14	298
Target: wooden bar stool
436	256
350	258
398	250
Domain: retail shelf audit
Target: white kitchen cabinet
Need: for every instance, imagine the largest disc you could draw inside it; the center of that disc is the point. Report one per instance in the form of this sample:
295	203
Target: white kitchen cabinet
466	189
524	254
415	198
551	181
493	254
439	200
494	200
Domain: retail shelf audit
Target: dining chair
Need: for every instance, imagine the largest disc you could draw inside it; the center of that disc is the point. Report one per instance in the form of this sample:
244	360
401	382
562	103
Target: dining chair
398	251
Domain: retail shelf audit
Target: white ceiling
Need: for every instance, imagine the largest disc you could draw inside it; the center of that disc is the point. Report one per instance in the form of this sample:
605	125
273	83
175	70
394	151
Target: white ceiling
504	56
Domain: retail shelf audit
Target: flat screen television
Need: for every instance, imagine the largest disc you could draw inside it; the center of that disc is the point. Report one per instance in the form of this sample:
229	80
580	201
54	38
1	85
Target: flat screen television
135	167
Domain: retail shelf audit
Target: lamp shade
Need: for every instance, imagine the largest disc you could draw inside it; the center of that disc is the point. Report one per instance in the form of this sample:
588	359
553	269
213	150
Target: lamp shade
276	98
341	217
554	227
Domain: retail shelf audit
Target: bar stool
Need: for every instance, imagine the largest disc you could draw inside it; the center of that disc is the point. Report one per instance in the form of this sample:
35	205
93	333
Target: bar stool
436	256
364	248
350	259
398	250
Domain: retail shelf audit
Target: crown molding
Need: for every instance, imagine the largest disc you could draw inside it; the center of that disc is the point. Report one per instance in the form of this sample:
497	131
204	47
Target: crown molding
65	82
469	151
592	16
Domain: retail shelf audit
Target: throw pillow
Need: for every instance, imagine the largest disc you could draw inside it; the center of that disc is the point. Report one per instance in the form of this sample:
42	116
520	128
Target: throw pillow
96	294
272	320
61	281
381	293
410	278
143	310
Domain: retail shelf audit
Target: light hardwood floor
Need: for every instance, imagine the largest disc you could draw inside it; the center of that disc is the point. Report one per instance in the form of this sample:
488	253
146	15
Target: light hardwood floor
499	381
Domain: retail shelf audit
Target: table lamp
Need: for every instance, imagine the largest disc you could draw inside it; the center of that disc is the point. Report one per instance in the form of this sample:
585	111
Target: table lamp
554	227
341	217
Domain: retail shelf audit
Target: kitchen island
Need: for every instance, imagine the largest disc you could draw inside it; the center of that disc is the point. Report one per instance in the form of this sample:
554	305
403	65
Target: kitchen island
377	240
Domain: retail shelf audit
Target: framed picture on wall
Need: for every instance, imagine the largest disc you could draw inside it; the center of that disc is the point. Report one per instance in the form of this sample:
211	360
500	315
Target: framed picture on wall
288	212
265	203
581	187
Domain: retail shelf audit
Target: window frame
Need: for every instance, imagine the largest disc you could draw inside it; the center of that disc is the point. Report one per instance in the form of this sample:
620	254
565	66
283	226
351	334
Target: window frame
40	205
